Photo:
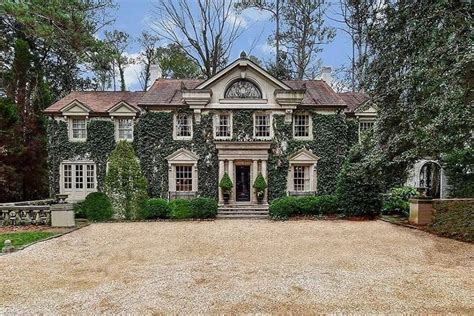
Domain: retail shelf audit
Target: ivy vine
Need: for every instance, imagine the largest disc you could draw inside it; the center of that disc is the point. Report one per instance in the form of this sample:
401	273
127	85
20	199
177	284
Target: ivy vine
100	143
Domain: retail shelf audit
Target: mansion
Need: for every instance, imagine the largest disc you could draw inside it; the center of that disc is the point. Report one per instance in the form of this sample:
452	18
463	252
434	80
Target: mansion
188	133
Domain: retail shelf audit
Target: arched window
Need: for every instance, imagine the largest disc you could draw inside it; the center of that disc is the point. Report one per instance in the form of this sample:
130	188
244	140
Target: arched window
243	89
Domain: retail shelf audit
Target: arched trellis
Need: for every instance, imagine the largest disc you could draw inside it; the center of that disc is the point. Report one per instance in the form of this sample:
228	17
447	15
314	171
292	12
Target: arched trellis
430	178
243	89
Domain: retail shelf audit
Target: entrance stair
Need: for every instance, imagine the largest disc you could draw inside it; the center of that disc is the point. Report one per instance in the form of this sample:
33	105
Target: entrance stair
243	211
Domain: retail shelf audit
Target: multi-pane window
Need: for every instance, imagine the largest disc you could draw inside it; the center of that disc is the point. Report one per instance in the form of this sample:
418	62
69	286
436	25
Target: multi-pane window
90	177
301	125
223	125
78	176
184	178
125	129
301	178
78	129
183	125
366	126
262	125
68	176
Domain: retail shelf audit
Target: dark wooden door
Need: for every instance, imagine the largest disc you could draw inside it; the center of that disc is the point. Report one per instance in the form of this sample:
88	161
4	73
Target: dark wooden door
242	178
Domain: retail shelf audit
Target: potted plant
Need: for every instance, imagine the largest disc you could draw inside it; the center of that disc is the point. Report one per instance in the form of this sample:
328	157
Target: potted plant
260	185
226	186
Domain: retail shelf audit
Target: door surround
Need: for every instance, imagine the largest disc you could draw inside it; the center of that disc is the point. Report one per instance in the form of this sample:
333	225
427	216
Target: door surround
232	154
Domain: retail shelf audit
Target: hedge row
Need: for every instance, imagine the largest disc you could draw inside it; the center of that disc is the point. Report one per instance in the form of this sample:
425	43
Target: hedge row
97	207
454	219
286	207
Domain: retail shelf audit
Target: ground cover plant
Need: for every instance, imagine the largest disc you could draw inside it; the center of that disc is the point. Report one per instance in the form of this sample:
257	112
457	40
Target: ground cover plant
24	238
396	201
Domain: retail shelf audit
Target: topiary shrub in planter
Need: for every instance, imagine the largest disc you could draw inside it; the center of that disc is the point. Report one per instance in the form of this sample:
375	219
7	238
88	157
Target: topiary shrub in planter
155	208
97	207
124	182
226	186
260	185
396	201
202	207
180	209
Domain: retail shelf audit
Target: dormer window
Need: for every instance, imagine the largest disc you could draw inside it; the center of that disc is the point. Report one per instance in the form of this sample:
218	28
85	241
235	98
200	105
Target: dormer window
243	89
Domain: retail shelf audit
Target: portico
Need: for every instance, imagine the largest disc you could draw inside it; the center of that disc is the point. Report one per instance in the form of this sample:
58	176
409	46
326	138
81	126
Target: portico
243	161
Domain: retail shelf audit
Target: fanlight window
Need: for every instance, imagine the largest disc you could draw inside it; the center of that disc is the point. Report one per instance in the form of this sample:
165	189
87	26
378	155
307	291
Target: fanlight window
243	89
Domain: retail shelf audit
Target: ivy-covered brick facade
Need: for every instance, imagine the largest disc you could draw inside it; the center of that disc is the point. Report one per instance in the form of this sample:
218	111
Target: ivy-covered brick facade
188	133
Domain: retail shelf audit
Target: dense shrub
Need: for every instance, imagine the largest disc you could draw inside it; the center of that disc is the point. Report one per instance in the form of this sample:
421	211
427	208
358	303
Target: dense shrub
124	182
396	201
97	207
203	207
79	211
454	219
459	165
180	209
286	207
360	183
155	208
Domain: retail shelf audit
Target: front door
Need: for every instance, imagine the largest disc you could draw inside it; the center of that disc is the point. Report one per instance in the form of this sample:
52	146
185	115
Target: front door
242	179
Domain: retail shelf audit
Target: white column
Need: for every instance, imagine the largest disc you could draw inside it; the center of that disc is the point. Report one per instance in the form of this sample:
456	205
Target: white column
264	174
230	171
221	174
253	197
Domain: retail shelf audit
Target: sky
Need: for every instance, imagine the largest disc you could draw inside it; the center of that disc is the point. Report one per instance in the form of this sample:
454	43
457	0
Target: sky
135	16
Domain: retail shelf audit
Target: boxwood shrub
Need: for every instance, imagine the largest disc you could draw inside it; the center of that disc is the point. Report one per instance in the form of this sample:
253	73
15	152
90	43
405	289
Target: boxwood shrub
203	207
396	201
155	208
286	207
97	207
454	219
180	208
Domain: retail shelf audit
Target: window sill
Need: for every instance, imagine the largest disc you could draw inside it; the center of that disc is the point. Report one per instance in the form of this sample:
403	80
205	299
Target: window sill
301	193
183	138
78	140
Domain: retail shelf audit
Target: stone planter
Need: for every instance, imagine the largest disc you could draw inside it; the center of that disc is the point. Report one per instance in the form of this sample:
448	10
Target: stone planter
62	215
421	211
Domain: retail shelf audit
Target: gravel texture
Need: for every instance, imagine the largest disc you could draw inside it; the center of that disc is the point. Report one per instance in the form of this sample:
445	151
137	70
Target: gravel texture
247	266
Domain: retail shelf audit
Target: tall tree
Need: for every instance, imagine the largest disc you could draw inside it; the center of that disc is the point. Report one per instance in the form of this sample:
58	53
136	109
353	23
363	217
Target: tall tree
358	18
46	42
418	76
174	63
305	32
147	57
204	29
275	8
118	42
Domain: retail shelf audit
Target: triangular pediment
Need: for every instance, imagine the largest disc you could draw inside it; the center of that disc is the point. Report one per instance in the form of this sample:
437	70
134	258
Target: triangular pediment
75	107
304	155
123	107
183	155
245	64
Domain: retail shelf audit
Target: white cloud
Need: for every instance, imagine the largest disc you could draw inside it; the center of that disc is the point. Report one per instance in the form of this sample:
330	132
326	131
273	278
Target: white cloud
132	71
266	49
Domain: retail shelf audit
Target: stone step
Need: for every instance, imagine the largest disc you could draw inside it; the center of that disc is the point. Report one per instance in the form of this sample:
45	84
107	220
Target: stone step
226	211
245	206
239	216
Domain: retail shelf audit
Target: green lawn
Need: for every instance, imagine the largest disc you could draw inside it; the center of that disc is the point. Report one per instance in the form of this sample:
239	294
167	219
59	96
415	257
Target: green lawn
23	238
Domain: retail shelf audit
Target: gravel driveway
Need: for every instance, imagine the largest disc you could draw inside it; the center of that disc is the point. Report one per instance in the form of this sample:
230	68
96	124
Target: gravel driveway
240	266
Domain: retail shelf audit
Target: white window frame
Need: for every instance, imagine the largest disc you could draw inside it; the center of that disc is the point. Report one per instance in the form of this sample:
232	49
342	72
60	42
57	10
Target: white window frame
217	125
307	169
363	130
117	127
270	125
71	128
70	187
176	168
310	127
175	123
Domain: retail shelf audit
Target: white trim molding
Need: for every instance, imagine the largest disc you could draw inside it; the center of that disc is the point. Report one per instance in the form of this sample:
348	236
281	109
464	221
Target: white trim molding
306	162
182	158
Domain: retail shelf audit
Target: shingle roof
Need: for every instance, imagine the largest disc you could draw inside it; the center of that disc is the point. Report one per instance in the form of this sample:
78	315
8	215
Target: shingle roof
167	92
97	101
318	93
353	100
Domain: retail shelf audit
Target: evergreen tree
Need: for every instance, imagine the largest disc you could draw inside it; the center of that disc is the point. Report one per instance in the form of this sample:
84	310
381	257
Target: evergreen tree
125	184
